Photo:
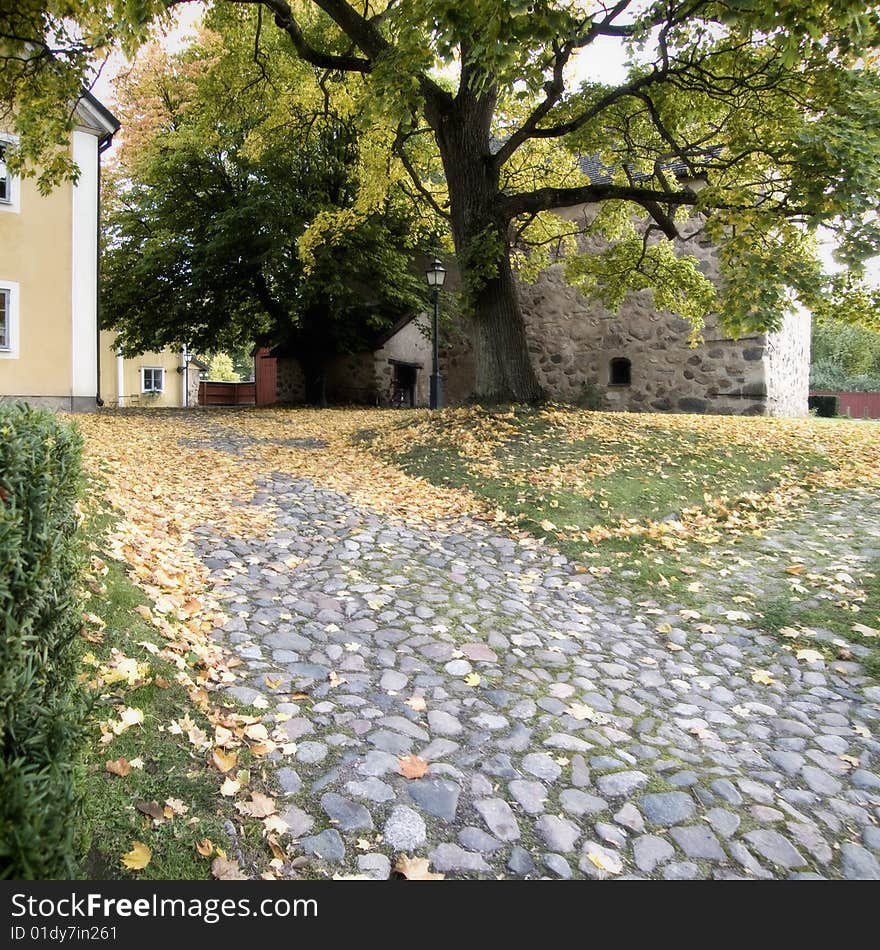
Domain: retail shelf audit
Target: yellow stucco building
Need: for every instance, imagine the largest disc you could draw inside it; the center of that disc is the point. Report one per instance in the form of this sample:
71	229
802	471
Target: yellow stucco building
51	350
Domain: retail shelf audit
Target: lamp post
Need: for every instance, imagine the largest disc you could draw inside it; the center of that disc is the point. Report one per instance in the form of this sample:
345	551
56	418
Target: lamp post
436	275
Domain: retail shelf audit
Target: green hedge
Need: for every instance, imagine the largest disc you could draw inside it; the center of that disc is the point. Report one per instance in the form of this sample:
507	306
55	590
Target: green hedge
826	406
42	707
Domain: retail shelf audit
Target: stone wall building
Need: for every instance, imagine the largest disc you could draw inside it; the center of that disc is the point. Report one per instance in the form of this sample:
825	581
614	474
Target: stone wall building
639	359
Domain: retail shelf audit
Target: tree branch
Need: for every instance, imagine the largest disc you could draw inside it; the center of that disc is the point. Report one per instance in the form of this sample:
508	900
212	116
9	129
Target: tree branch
555	87
285	20
546	199
416	180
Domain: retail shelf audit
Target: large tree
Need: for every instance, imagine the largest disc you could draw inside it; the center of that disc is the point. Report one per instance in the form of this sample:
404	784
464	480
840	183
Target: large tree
208	207
772	104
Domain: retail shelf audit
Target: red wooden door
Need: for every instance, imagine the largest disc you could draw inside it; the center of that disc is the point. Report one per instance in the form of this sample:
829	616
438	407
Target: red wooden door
266	377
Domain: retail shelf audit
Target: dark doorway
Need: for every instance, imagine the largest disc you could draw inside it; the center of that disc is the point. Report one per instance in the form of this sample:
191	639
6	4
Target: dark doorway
404	393
620	372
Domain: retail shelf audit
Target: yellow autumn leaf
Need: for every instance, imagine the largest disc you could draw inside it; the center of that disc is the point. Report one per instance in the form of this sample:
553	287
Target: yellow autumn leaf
223	761
416	869
230	787
865	631
138	858
763	677
131	716
472	679
809	656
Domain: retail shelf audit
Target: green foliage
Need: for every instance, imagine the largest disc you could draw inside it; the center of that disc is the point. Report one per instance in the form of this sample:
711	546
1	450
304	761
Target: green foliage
228	207
828	407
827	375
845	357
854	349
479	261
677	283
42	707
776	104
222	370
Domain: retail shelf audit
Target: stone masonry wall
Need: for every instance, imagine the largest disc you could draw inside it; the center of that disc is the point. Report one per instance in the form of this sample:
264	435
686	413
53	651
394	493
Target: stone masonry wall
352	379
291	384
572	342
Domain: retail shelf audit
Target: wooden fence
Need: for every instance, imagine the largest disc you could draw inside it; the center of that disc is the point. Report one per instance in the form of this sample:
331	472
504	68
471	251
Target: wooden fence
227	394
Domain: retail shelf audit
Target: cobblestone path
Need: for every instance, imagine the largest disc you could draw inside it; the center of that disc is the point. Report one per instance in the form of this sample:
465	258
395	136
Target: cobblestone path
592	746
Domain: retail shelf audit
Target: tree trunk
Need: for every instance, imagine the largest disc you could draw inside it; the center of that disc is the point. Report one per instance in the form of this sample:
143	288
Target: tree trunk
504	372
315	381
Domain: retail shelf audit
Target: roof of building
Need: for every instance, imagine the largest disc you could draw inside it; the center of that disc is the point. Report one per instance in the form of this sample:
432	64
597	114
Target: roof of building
94	115
382	338
601	174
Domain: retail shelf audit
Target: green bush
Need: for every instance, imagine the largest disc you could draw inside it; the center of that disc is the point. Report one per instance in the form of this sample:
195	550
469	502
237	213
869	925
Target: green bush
826	375
826	406
42	706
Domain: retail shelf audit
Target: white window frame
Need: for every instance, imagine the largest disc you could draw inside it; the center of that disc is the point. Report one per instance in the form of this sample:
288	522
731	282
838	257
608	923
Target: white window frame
12	202
153	369
10	350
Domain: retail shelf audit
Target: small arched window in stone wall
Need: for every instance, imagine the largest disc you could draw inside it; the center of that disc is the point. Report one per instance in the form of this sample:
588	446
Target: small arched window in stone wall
620	372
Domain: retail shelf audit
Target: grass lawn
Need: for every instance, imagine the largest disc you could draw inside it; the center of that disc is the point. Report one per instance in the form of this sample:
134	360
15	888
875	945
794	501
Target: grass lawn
655	501
168	794
829	621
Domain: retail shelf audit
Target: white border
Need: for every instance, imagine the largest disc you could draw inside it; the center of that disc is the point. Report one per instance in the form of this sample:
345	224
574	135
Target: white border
12	352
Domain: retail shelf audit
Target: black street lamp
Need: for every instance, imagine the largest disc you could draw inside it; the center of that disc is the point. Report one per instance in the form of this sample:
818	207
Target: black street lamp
436	275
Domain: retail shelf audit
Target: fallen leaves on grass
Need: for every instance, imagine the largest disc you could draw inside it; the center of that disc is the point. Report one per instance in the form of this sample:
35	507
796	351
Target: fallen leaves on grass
152	809
223	761
260	806
205	847
119	767
865	631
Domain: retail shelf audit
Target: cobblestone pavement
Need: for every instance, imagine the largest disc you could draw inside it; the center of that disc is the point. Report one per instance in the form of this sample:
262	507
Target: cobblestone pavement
592	746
